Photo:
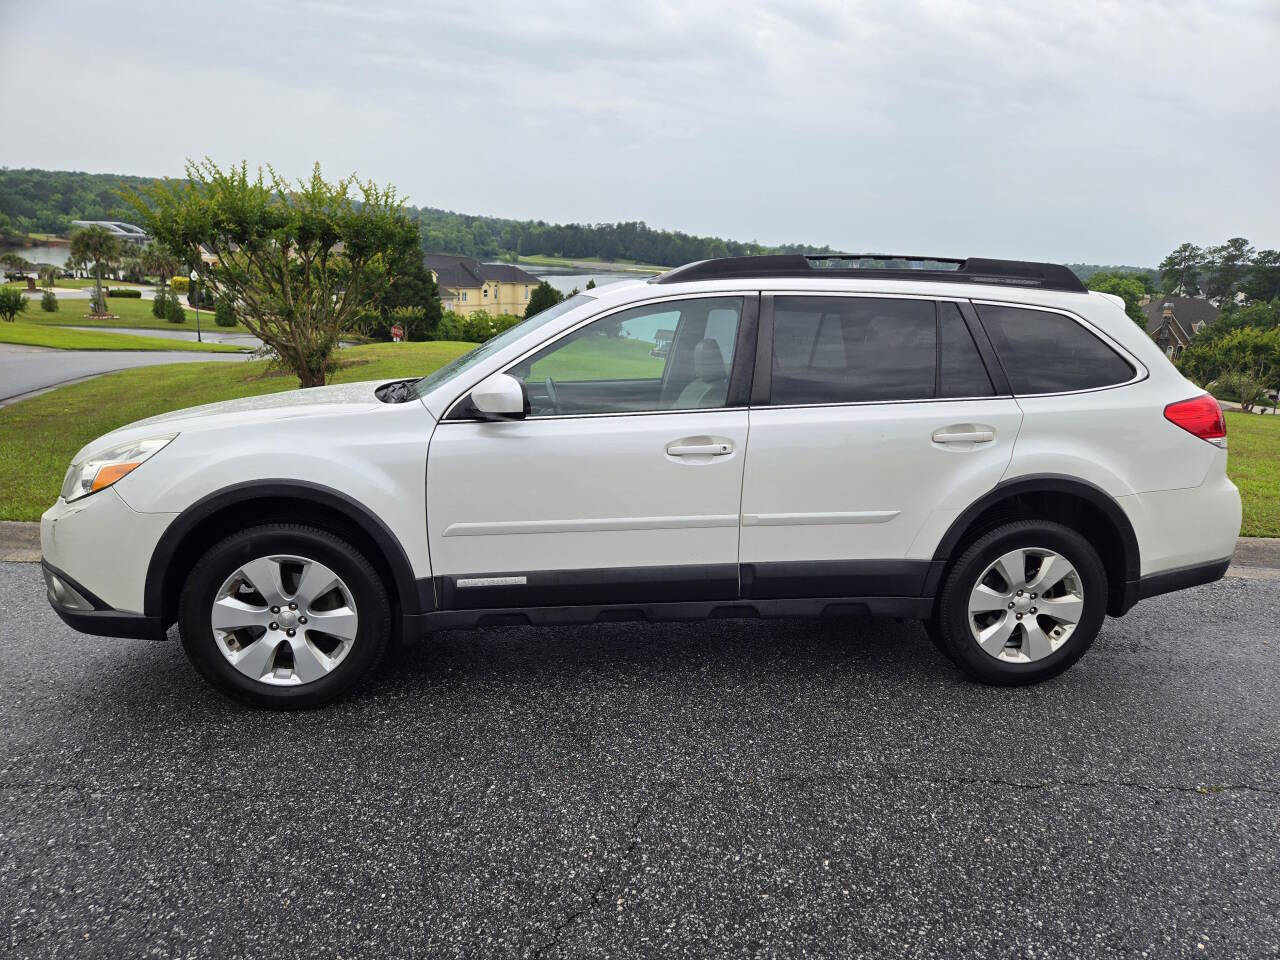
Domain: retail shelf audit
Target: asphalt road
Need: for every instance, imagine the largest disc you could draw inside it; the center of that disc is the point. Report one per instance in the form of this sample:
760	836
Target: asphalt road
730	789
25	370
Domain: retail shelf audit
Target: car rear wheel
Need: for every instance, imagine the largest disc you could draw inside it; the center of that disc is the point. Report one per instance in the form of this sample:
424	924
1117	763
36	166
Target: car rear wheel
1022	603
284	616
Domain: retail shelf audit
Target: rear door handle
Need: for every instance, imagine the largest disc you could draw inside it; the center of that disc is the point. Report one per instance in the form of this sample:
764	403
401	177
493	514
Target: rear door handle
699	447
964	433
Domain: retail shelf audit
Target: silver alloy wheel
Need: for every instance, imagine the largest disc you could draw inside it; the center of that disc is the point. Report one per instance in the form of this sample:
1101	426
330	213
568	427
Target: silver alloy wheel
284	620
1026	605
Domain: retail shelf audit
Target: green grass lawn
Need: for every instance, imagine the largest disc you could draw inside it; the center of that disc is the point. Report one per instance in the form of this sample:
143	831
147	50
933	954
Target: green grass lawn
599	358
1253	463
132	313
39	436
28	334
78	283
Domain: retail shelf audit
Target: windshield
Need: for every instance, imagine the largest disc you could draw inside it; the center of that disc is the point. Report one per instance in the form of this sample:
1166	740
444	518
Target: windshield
432	380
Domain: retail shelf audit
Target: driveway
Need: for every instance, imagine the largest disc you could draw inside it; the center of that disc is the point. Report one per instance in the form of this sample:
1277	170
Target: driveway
735	789
208	335
26	370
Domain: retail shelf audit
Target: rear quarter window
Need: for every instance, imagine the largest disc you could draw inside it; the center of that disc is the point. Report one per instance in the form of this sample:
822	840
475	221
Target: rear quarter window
1044	352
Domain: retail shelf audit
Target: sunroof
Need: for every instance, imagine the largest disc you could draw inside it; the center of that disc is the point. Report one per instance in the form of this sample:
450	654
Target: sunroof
882	261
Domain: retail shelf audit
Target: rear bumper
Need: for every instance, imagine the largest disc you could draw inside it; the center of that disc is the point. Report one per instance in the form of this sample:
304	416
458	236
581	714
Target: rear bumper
1167	581
82	610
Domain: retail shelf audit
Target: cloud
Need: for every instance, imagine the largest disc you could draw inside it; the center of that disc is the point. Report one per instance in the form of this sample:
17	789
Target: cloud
1106	131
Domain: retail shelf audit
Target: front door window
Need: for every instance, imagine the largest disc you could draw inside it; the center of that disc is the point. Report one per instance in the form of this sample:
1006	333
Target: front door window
665	356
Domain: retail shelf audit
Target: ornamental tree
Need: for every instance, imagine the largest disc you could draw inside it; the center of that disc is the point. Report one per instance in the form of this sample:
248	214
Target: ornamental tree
301	260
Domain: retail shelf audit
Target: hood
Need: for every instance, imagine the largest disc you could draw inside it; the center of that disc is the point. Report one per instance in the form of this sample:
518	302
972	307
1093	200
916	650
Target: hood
337	400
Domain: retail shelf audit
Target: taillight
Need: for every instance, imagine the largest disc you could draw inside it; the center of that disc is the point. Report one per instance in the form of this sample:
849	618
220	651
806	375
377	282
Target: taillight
1201	416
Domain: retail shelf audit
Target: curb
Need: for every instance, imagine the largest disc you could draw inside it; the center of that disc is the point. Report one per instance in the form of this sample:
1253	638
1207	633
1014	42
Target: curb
1255	558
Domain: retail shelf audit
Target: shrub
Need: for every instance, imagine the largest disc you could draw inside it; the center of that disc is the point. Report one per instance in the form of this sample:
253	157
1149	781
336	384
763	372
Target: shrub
49	302
158	304
224	313
125	292
475	327
179	284
12	303
173	311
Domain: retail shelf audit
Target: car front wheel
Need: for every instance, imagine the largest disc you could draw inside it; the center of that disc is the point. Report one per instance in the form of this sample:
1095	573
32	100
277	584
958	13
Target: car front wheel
1022	603
284	616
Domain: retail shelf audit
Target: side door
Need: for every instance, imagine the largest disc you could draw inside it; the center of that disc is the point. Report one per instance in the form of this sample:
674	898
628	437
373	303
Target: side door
621	485
874	421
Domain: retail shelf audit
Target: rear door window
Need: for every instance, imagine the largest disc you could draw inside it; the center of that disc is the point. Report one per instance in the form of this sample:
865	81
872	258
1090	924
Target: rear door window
852	350
1044	352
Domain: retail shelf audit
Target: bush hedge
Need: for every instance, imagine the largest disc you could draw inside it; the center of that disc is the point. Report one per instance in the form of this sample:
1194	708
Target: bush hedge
173	311
125	292
224	313
179	284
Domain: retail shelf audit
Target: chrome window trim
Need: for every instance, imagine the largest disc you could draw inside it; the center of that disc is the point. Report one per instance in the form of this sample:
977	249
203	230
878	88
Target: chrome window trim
712	294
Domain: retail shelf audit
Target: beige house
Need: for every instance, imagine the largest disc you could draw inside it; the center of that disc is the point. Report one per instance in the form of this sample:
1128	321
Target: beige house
467	285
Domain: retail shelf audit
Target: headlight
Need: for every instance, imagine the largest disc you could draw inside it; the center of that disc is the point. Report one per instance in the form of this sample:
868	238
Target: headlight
104	468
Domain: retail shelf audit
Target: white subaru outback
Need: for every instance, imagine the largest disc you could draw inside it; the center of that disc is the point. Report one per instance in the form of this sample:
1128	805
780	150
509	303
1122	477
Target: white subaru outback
983	445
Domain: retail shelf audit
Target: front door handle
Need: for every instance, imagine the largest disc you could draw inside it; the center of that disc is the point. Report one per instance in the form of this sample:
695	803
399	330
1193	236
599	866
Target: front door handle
964	433
699	447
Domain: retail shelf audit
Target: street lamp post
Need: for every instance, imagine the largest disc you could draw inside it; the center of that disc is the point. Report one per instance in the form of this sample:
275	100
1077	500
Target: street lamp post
194	294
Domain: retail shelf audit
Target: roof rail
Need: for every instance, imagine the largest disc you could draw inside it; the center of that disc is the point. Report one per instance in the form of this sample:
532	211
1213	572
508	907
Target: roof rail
880	266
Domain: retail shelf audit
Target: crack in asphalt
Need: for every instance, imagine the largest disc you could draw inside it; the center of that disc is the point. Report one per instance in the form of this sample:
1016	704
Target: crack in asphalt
597	891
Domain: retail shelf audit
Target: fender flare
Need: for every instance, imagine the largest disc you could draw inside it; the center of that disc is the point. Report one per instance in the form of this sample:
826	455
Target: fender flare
413	600
1042	483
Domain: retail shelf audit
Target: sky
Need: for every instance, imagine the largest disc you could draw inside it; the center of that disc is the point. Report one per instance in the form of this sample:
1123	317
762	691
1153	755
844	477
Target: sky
1099	132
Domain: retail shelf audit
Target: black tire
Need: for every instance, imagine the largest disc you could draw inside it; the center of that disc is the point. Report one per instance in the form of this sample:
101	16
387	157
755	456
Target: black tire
367	590
952	621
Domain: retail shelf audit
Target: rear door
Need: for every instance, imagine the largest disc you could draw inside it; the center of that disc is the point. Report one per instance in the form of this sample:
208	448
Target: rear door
623	483
874	422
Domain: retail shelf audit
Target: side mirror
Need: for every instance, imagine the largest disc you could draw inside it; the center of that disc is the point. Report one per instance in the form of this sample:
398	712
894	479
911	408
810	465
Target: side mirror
501	397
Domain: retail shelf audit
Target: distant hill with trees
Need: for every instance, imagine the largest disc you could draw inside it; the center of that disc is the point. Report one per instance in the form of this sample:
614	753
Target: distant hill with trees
46	201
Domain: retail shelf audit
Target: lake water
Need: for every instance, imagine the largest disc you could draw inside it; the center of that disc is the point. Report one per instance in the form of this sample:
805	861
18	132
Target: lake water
565	281
58	256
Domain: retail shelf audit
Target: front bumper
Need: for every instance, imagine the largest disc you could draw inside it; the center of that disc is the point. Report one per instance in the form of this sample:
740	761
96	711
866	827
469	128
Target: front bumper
95	553
81	610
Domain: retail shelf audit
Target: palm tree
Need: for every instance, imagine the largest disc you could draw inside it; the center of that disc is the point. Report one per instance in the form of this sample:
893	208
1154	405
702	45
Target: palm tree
48	275
157	259
96	245
16	263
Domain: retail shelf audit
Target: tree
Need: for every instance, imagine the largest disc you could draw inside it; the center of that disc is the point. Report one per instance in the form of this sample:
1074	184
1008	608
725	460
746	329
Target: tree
96	246
1245	361
1226	265
15	263
12	303
544	295
412	299
48	275
1129	287
1180	270
159	262
1263	282
301	260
